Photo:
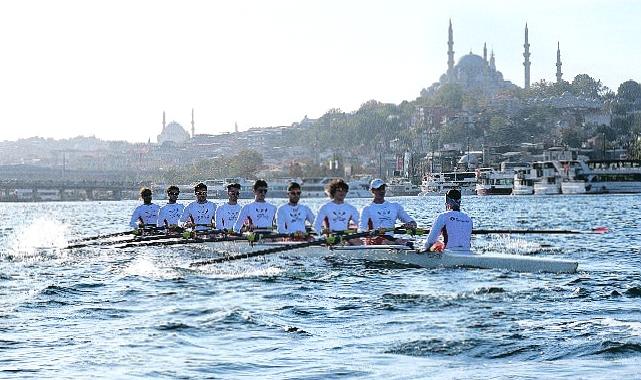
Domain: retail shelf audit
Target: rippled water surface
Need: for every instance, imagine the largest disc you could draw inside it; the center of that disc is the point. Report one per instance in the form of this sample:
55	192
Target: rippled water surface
143	312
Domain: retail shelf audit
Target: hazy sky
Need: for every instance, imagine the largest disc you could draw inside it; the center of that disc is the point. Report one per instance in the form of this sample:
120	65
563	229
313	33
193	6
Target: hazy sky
110	68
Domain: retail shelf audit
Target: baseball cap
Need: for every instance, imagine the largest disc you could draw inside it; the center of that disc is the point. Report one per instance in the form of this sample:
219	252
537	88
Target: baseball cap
376	183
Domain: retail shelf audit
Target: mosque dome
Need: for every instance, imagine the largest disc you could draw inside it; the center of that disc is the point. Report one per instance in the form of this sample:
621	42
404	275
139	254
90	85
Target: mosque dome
173	132
471	62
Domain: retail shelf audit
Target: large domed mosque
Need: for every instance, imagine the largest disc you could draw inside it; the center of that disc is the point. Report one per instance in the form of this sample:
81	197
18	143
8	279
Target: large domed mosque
478	73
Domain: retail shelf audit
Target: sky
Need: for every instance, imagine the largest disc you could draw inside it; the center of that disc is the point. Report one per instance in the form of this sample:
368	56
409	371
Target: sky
110	68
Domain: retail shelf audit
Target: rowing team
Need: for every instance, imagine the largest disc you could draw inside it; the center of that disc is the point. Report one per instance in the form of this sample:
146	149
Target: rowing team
293	218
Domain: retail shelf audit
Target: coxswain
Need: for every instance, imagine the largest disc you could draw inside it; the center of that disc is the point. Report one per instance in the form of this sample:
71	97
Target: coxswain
147	213
259	215
199	214
291	217
454	225
169	214
382	215
227	213
336	215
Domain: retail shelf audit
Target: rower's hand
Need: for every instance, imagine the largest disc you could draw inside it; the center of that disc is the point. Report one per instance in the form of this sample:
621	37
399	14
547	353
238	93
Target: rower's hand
437	247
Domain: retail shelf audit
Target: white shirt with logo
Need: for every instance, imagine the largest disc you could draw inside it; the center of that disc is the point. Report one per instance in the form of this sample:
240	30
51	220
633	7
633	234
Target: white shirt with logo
456	228
259	214
382	215
335	217
147	213
226	216
290	218
171	212
201	213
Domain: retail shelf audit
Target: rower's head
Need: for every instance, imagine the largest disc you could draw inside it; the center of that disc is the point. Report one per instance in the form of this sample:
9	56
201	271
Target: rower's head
145	195
260	190
293	192
453	200
172	193
233	192
201	192
377	187
337	189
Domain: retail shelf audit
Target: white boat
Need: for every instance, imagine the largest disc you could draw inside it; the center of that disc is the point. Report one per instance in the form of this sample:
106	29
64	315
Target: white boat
493	182
440	183
403	255
399	187
548	179
523	182
613	176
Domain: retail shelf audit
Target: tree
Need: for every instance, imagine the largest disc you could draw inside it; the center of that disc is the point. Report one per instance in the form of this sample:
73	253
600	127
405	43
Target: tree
629	91
246	163
585	85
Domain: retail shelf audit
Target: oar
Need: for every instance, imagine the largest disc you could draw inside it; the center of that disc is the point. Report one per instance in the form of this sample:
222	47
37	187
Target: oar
116	234
424	231
183	241
330	240
595	230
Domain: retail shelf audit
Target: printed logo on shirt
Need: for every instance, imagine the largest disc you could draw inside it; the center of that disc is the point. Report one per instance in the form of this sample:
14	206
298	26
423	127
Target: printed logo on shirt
261	213
294	215
339	216
384	215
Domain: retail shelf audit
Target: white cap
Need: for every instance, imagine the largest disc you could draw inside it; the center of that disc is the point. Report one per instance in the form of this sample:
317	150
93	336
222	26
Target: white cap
376	183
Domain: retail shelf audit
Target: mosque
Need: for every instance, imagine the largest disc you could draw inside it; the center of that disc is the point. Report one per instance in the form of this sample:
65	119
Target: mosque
476	73
174	132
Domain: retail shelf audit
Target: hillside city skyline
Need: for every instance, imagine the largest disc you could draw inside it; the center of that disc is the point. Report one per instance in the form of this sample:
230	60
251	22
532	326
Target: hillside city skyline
290	75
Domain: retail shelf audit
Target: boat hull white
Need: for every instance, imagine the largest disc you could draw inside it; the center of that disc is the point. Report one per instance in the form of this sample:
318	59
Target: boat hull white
405	255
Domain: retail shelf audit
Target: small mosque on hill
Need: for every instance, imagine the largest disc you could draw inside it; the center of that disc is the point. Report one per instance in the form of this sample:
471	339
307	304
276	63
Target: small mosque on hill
478	73
174	132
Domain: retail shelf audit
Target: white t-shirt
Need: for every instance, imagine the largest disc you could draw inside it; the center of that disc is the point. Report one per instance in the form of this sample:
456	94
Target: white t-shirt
382	215
335	217
148	214
456	228
202	213
291	219
226	216
260	214
170	212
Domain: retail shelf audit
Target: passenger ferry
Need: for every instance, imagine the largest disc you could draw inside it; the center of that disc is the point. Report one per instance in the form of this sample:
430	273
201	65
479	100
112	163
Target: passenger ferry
613	176
440	183
398	187
314	187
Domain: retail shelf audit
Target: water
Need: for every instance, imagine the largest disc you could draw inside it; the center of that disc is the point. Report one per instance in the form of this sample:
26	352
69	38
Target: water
134	313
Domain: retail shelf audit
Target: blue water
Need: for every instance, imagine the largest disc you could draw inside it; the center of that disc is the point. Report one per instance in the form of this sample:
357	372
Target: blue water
143	313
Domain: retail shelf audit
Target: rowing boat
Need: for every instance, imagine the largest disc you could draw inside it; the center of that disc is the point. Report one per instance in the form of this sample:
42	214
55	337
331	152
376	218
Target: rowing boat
404	255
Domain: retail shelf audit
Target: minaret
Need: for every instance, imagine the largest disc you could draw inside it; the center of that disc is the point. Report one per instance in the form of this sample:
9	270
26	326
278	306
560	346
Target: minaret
193	129
559	74
236	127
163	120
492	63
485	52
450	52
526	63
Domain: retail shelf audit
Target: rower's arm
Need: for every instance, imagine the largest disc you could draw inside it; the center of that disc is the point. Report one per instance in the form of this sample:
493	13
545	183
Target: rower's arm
364	222
435	232
133	223
281	221
242	216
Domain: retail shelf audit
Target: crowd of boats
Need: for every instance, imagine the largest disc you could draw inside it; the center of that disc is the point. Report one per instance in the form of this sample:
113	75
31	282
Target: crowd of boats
560	176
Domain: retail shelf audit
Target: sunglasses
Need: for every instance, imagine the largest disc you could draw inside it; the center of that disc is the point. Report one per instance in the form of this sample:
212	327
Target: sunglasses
173	193
201	192
261	190
294	192
233	192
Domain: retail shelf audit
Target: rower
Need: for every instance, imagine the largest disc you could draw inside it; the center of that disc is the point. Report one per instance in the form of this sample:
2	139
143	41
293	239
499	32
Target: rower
381	214
169	214
336	215
454	225
200	213
147	213
291	217
258	215
227	213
